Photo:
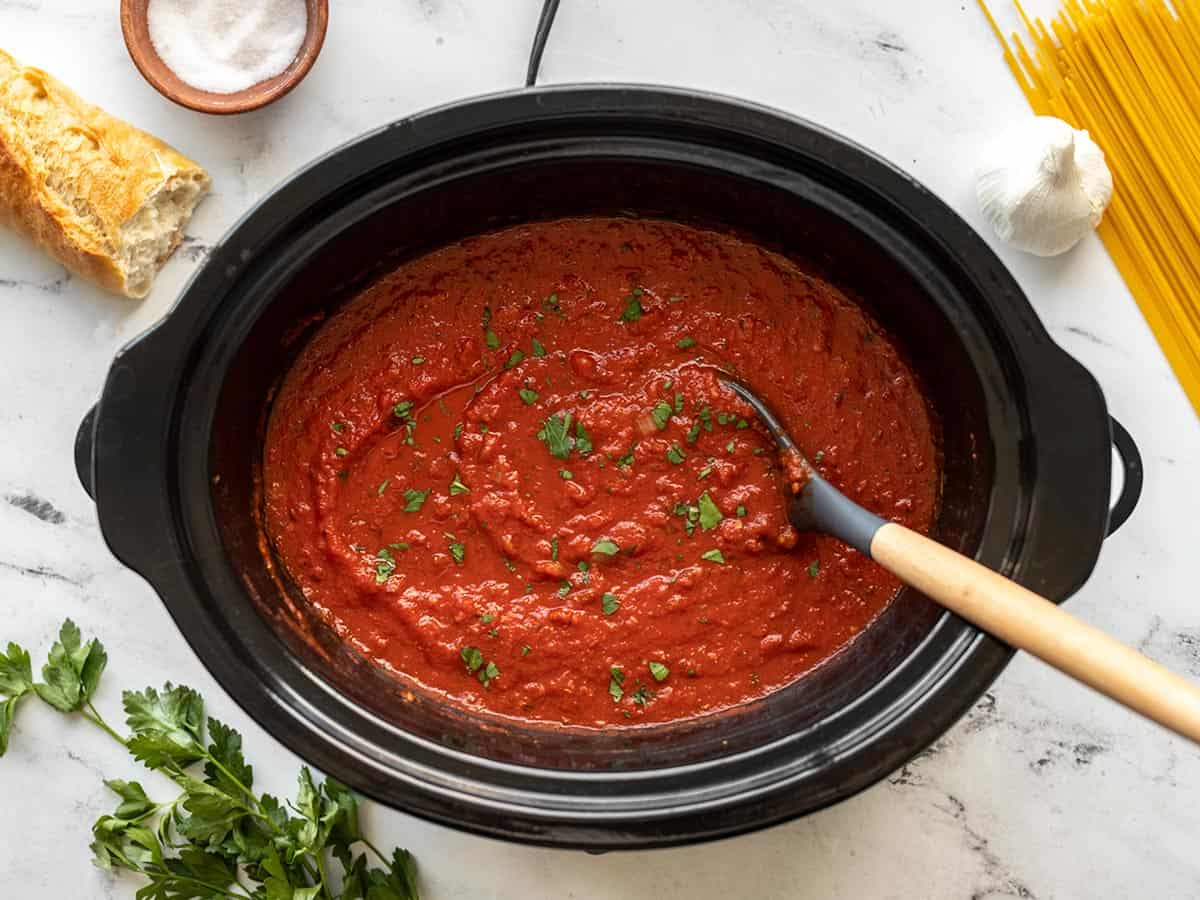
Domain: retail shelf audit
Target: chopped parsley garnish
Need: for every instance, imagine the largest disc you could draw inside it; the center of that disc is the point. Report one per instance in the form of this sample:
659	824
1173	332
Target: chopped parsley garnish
341	451
489	336
538	350
627	459
564	589
713	555
661	414
741	511
742	423
556	435
685	343
583	568
526	650
633	307
583	395
675	455
706	418
693	433
758	451
399	546
674	299
337	427
382	487
488	673
566	474
471	657
583	441
730	447
487	618
554	548
515	359
710	516
530	397
667	384
385	566
609	604
704	473
820	455
457	487
814	568
678	402
606	548
642	696
403	410
659	671
418	360
493	632
722	418
616	678
458	430
551	303
458	551
413	500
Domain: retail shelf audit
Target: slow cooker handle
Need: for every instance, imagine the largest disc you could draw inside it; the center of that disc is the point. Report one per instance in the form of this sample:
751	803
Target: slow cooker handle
85	439
1131	489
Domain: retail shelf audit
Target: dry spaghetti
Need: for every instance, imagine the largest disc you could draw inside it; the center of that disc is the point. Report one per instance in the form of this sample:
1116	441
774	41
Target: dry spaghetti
1129	72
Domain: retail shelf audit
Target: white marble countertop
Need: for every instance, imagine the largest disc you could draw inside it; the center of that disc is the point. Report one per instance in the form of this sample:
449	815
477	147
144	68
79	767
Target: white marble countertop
1045	790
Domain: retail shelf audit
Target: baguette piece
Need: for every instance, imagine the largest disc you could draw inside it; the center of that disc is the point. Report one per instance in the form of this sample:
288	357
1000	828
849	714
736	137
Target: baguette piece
106	200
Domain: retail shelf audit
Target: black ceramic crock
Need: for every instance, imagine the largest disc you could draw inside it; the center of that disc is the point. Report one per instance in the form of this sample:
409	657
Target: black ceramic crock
171	450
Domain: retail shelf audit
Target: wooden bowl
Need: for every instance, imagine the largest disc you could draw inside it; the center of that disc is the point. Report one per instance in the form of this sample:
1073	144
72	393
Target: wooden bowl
135	27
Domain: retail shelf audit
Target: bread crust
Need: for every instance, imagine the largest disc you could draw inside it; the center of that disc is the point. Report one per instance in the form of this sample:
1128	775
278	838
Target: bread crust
73	177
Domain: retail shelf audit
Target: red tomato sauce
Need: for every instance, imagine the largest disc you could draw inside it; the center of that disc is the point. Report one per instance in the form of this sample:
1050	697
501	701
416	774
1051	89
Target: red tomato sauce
507	472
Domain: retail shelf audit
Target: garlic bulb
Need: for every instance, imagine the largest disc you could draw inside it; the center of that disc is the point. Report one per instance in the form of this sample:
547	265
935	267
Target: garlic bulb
1043	186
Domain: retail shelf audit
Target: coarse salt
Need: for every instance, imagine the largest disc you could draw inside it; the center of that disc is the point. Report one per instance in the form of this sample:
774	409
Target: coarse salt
226	46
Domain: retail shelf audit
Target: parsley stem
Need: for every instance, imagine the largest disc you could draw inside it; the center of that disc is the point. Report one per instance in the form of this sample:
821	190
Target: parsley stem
319	856
93	716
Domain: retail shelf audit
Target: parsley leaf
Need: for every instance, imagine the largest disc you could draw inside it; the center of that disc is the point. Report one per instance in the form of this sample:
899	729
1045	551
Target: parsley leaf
556	435
710	516
554	548
530	397
713	555
471	657
659	671
488	673
814	568
741	511
633	307
661	414
526	650
685	343
606	548
609	604
675	455
383	485
616	678
627	460
566	474
583	441
413	499
538	350
72	671
457	487
515	359
16	680
458	551
678	402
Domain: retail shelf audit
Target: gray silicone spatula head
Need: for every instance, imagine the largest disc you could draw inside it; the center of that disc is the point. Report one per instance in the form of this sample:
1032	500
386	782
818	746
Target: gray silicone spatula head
813	503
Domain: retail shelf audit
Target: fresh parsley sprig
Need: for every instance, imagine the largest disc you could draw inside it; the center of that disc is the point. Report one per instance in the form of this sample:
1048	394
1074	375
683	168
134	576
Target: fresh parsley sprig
218	839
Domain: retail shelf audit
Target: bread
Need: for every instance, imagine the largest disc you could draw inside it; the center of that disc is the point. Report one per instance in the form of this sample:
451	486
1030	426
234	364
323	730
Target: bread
106	200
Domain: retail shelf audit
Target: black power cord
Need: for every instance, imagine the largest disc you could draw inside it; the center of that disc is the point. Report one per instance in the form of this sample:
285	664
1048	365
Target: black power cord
545	23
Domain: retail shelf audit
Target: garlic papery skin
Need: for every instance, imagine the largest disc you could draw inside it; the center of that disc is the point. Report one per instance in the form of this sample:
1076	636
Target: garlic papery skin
1043	186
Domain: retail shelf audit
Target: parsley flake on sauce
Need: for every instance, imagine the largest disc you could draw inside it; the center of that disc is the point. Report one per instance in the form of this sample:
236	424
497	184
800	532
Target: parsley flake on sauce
741	511
814	568
566	474
659	671
487	618
526	650
820	455
538	350
609	604
642	696
685	343
714	555
413	500
583	441
606	548
633	307
710	515
403	410
554	548
337	427
488	674
385	566
678	402
564	589
530	397
457	487
341	451
661	414
458	551
627	460
510	565
556	435
418	360
471	657
458	430
382	487
515	359
675	455
616	678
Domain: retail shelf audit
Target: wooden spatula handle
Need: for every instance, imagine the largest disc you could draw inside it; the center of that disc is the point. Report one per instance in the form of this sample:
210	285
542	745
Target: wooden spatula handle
1024	620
